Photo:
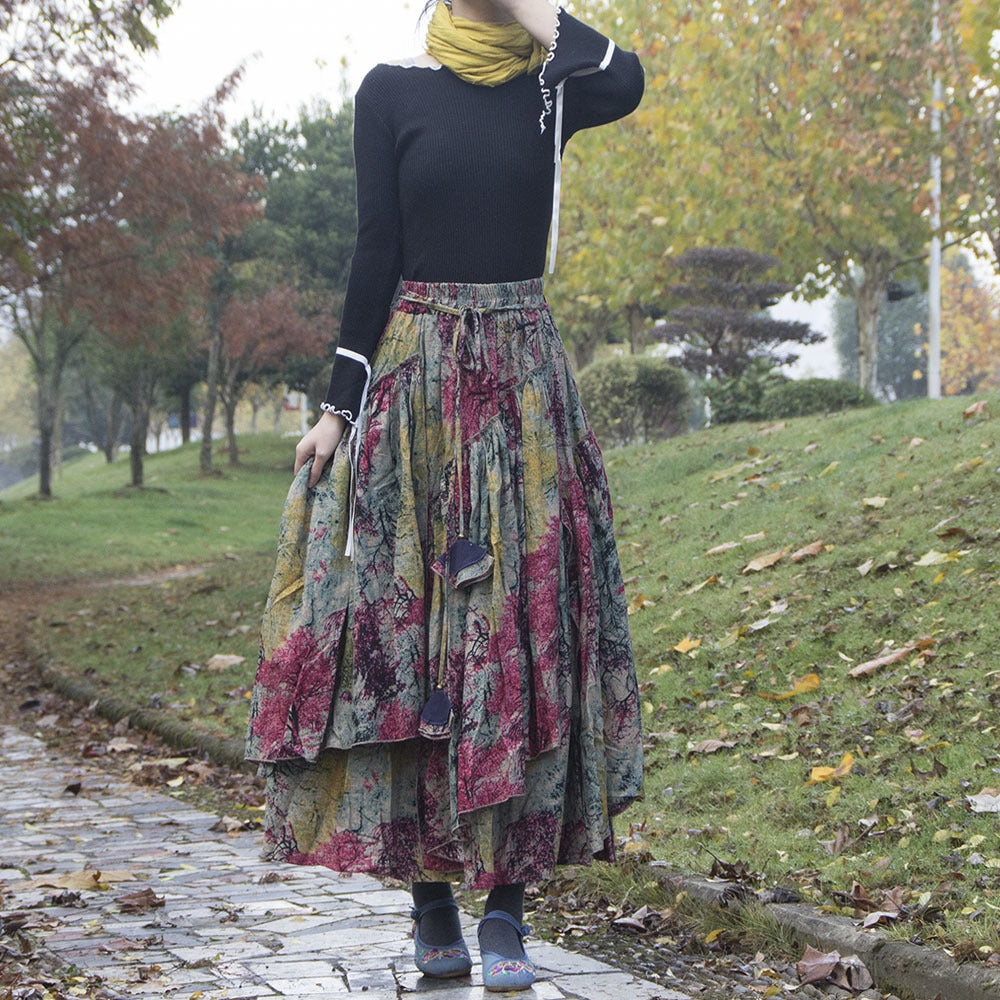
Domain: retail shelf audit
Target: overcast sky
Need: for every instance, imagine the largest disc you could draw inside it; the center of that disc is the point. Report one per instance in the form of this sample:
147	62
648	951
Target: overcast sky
292	50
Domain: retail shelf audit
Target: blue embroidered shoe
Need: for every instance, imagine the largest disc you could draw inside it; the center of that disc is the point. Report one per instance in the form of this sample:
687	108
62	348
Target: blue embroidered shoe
440	961
501	974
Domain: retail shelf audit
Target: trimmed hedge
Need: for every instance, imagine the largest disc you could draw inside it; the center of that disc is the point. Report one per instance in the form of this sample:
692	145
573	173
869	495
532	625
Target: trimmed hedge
634	398
801	397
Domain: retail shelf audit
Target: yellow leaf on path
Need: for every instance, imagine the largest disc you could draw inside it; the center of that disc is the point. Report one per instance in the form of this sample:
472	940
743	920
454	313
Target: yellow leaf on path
812	549
877	502
802	686
686	644
763	561
819	774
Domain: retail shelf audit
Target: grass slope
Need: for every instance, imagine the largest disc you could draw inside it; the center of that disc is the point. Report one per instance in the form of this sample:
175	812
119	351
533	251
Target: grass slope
904	501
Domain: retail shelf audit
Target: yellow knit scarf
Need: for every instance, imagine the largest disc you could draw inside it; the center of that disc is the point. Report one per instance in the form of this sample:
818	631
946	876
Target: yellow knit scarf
483	52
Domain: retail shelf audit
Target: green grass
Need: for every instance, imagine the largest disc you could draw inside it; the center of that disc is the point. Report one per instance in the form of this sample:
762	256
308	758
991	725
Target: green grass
96	525
885	824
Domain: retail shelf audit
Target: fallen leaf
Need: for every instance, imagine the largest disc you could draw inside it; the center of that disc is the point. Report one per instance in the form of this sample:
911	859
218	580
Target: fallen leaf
935	558
223	661
829	469
812	549
724	547
980	408
985	801
916	442
686	644
870	666
877	502
815	966
802	686
819	774
866	567
714	578
756	537
763	561
710	746
139	902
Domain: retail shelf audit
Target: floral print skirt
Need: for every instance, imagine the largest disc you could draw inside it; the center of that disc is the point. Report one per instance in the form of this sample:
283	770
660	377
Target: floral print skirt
484	567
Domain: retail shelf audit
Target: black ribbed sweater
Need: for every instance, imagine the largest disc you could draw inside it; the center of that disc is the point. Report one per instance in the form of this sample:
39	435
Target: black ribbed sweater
455	180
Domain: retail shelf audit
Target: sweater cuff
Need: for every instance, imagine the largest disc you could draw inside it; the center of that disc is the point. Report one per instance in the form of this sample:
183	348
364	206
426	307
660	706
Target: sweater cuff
348	385
577	47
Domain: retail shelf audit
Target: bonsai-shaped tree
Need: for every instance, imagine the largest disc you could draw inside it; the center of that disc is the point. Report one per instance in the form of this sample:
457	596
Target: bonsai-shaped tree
723	328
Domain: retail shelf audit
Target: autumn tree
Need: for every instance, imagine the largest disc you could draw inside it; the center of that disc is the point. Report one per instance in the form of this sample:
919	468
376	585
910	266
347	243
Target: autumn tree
970	331
799	129
259	331
179	194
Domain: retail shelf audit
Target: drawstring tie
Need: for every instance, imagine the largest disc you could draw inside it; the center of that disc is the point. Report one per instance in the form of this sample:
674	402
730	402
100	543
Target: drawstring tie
463	561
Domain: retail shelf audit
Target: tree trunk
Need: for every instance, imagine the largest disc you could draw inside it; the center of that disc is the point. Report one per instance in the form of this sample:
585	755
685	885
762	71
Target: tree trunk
44	460
254	410
137	441
57	439
636	317
230	410
279	409
113	428
216	306
185	414
868	297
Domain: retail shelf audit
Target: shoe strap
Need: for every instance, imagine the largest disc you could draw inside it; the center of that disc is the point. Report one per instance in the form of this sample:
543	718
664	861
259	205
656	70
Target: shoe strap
435	904
522	929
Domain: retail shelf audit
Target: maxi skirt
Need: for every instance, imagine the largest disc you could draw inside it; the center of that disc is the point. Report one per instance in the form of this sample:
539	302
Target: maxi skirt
473	429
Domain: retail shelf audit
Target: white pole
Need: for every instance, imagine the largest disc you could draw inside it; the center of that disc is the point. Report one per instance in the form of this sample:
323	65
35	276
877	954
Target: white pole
303	410
934	277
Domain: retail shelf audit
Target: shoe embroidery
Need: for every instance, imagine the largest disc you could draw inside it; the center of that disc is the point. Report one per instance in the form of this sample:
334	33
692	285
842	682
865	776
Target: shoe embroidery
513	966
434	954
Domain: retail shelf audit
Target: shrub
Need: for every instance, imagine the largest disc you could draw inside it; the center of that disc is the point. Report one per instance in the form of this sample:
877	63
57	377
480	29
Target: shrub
814	395
634	398
743	397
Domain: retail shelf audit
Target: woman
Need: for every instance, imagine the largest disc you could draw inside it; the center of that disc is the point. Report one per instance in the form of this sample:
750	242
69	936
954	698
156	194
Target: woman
446	683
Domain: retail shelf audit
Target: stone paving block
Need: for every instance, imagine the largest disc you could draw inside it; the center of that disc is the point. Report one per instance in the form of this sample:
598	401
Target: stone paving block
614	986
329	986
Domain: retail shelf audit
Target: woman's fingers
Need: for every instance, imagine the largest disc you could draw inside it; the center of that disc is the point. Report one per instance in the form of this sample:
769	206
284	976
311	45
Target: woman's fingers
319	463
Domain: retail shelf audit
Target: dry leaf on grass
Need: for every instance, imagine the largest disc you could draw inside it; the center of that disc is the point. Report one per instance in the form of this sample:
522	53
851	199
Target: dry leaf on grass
812	549
764	561
893	656
843	769
710	746
986	801
801	686
223	661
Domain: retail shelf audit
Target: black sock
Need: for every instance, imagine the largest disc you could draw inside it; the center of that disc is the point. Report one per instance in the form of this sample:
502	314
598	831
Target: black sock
441	925
497	935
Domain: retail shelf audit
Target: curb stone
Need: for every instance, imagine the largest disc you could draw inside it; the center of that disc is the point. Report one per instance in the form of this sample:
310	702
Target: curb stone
228	752
896	966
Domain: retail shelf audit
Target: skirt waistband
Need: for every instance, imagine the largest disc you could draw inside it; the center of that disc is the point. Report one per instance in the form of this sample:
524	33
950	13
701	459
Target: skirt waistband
450	296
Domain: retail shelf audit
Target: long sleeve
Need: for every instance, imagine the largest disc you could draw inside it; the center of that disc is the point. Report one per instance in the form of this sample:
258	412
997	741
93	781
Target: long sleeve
602	81
595	82
377	261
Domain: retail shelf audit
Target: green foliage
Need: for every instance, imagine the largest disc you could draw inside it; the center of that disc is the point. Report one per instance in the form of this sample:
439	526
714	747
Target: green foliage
634	398
800	397
743	397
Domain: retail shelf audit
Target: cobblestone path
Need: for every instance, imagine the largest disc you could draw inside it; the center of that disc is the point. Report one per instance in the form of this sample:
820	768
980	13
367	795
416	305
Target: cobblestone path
230	925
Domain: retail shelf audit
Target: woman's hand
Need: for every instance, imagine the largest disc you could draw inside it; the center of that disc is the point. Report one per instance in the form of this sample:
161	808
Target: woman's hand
319	444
